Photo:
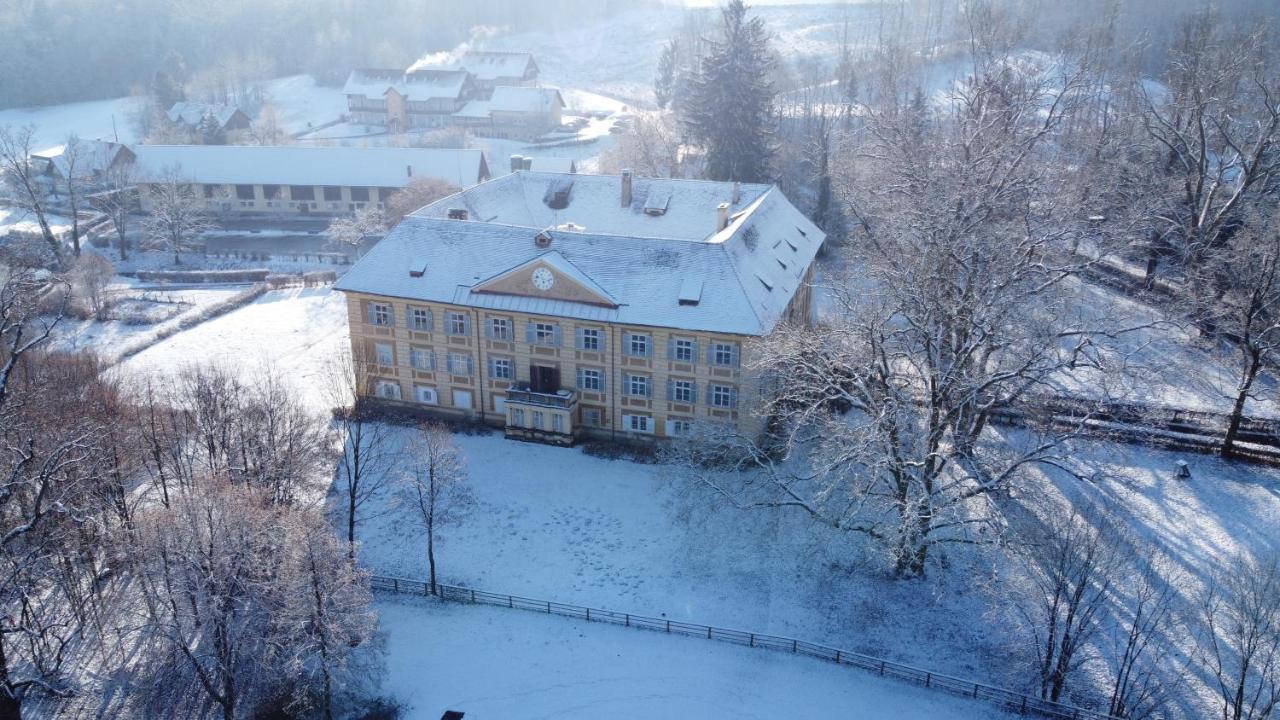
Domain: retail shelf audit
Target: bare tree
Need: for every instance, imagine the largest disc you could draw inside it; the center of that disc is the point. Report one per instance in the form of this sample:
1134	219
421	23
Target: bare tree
1074	561
420	192
177	218
1212	133
435	483
1241	639
349	233
19	173
75	154
89	277
1145	669
367	449
1236	297
653	148
117	199
22	326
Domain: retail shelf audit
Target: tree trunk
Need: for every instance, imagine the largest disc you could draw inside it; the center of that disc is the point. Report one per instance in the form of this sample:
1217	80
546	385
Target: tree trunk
1237	409
10	706
431	559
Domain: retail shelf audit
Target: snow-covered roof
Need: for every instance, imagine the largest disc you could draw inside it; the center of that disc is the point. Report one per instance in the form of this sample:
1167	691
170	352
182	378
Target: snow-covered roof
508	98
193	113
300	165
487	65
94	156
553	164
419	85
671	271
594	202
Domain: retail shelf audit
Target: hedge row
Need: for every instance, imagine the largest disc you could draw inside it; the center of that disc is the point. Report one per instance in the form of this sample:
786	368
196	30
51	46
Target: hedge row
203	276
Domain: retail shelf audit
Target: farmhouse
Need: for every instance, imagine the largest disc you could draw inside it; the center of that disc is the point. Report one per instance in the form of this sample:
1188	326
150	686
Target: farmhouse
491	93
560	306
289	178
192	114
93	159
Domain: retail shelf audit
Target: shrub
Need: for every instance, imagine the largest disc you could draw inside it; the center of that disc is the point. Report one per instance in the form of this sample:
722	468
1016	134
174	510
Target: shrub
204	276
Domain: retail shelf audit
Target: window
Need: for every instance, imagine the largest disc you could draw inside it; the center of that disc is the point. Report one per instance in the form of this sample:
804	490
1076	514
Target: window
537	419
681	391
683	350
271	192
592	417
500	368
211	191
723	396
589	339
542	334
638	385
332	193
459	364
384	353
244	192
426	395
499	329
360	194
302	192
557	422
725	354
420	319
379	313
517	417
637	345
679	428
590	379
388	389
422	359
462	399
637	423
385	194
459	324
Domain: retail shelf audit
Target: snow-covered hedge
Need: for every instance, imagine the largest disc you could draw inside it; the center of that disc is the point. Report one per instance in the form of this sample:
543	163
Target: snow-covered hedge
204	276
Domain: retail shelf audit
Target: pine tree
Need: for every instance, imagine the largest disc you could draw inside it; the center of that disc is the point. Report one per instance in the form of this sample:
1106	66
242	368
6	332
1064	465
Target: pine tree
166	89
730	111
211	133
664	85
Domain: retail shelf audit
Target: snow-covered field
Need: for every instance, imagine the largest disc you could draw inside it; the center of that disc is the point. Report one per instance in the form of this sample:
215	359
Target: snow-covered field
295	330
14	219
97	119
561	524
303	104
492	663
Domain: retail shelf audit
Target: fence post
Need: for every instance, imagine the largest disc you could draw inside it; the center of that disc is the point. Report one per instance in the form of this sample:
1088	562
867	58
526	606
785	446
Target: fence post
928	679
708	632
837	657
753	639
1023	711
794	645
975	689
628	616
548	607
588	614
395	584
473	595
881	667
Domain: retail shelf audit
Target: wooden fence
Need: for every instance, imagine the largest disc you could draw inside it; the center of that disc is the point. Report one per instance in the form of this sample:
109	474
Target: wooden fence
1005	699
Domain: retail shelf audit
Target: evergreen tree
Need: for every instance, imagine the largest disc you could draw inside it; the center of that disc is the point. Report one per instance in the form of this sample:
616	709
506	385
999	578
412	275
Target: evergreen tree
211	133
730	111
664	85
166	90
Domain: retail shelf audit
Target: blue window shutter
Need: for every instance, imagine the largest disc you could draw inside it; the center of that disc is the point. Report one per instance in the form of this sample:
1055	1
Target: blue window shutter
711	353
671	390
555	335
671	348
466	324
579	374
577	339
693	392
626	343
529	334
733	355
694	357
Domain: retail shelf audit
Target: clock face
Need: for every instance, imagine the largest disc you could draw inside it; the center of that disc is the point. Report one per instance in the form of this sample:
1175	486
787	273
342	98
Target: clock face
543	279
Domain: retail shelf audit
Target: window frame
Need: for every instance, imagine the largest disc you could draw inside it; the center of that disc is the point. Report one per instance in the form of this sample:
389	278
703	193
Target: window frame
630	384
492	324
507	362
381	309
451	320
414	315
716	390
390	357
595	335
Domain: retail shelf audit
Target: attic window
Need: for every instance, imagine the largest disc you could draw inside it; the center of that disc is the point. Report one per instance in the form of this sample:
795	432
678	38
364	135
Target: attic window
542	239
417	268
557	197
656	204
767	285
690	291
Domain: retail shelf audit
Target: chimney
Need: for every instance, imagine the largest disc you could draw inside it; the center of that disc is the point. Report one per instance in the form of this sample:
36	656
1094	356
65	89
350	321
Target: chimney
457	213
722	216
517	163
408	170
528	163
737	192
626	188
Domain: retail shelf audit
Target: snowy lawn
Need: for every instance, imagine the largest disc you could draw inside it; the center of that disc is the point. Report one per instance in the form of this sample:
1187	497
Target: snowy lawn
296	331
303	104
93	120
495	663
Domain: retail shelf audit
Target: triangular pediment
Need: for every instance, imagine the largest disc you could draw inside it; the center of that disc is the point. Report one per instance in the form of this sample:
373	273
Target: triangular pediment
549	276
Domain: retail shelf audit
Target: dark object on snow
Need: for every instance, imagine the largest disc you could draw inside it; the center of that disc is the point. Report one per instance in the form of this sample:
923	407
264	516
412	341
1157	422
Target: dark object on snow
1182	470
452	715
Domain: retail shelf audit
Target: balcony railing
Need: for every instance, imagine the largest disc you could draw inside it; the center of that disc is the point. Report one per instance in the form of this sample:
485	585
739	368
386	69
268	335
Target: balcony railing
564	399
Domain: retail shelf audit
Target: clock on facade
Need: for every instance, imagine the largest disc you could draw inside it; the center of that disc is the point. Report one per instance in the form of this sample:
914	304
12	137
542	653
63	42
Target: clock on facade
543	279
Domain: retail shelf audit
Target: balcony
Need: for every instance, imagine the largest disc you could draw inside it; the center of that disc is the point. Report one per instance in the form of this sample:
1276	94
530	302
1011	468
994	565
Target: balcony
560	399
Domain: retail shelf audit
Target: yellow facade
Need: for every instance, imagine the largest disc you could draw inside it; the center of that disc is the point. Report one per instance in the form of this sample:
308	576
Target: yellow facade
403	332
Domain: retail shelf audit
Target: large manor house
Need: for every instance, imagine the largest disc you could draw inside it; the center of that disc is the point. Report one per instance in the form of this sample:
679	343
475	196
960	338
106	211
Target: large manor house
561	306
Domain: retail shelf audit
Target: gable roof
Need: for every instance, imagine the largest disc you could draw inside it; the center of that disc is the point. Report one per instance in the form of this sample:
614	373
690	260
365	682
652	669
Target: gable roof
303	165
553	260
418	85
738	280
490	65
95	156
510	98
193	113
